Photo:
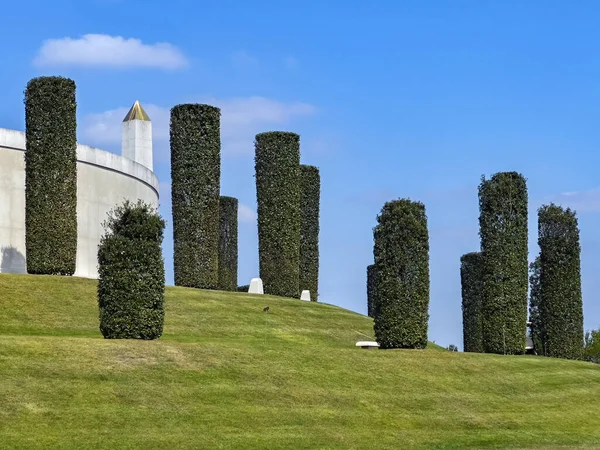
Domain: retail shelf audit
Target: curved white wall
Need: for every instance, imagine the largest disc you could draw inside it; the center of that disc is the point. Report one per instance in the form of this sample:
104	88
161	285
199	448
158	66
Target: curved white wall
103	181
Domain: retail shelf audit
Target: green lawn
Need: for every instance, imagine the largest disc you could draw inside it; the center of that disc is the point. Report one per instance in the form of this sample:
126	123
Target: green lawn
227	375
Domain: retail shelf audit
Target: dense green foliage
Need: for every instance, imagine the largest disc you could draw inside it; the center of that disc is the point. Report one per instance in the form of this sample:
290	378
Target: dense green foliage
228	244
370	290
471	270
561	308
226	375
503	232
195	179
51	176
277	165
591	351
243	288
310	198
535	298
131	282
401	275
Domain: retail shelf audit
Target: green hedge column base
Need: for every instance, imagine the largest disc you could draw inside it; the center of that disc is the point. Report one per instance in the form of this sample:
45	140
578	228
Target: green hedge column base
310	197
401	275
195	178
535	298
131	281
371	290
503	232
277	165
561	306
228	244
51	176
471	269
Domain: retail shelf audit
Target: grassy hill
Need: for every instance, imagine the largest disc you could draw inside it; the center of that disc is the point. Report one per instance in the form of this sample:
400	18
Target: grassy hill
227	375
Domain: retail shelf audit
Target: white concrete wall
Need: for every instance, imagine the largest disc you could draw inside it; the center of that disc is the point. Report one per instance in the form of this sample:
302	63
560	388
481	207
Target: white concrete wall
137	142
103	181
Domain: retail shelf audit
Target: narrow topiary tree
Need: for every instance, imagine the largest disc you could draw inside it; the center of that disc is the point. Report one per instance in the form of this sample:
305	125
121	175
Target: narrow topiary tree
195	179
471	268
51	176
503	232
228	244
310	195
131	282
561	307
277	165
371	290
401	275
535	299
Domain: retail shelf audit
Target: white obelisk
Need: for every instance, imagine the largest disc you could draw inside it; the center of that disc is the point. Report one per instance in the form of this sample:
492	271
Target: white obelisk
136	143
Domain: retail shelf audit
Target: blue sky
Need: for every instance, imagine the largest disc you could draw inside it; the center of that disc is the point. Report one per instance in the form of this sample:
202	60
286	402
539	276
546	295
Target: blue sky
393	99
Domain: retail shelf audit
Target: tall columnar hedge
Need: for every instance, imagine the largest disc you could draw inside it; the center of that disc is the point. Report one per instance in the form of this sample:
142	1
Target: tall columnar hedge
401	275
195	179
471	269
503	232
535	299
131	281
561	308
371	290
51	176
310	197
277	165
228	244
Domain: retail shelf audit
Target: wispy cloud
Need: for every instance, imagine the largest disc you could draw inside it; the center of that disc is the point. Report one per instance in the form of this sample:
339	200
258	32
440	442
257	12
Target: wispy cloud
241	119
102	50
242	59
246	214
290	62
580	201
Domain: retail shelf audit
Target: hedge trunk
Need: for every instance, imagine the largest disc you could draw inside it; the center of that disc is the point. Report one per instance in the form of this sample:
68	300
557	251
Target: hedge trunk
51	176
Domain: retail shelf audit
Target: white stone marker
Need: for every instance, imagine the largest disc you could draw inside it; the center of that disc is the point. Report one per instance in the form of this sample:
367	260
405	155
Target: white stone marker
305	295
256	286
367	344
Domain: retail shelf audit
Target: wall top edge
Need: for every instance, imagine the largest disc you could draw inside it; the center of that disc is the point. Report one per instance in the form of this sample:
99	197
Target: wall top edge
90	155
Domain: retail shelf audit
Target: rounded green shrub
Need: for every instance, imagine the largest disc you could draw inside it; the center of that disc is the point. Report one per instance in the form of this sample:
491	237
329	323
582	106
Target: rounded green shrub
401	275
51	176
561	307
471	267
310	197
243	288
131	282
228	244
277	165
503	232
195	179
370	290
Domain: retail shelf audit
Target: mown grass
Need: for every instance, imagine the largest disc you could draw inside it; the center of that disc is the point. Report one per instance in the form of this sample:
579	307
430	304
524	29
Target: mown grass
227	375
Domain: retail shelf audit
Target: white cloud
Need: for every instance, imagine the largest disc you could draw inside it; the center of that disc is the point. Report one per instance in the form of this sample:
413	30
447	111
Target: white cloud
108	51
580	201
246	214
241	120
243	59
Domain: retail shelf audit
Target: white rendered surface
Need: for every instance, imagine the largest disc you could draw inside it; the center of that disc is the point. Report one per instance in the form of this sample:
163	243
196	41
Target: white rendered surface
136	142
103	181
256	286
305	295
367	344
